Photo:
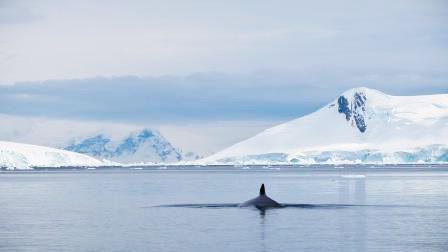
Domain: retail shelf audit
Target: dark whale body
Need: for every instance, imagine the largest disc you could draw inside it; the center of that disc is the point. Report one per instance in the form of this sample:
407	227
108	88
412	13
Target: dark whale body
262	201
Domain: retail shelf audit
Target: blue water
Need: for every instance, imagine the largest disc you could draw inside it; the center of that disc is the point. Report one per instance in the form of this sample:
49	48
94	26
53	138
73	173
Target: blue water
354	209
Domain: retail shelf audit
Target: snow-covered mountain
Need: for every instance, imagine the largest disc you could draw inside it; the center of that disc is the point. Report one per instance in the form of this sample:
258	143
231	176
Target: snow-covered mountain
360	126
140	146
26	156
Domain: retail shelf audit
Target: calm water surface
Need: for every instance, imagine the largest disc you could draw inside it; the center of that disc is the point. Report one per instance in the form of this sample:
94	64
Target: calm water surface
396	209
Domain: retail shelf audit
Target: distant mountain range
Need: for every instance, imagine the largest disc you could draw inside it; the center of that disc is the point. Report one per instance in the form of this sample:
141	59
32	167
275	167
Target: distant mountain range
362	125
145	145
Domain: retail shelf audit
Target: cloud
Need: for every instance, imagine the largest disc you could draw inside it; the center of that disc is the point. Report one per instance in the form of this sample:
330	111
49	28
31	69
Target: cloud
267	95
83	39
197	97
16	12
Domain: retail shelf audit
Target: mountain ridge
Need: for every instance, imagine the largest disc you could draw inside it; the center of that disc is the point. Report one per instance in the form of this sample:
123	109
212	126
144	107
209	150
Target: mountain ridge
145	145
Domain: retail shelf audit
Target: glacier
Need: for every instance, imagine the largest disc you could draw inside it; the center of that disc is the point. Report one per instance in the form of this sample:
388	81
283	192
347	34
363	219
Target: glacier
361	126
26	156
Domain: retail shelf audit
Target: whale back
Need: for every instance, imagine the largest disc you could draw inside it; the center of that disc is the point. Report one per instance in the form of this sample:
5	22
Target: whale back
262	201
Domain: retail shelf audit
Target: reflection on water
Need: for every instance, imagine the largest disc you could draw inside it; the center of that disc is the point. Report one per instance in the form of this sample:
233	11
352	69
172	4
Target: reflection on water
324	209
263	230
353	190
282	206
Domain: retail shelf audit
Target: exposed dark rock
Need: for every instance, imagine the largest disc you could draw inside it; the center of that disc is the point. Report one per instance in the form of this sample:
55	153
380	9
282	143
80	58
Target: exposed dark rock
344	107
355	110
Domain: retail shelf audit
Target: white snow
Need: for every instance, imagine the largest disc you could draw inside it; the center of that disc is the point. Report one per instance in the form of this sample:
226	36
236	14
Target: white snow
399	129
26	156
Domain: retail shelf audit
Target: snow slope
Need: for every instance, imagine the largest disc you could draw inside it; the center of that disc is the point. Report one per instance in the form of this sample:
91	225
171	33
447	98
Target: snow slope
26	156
360	126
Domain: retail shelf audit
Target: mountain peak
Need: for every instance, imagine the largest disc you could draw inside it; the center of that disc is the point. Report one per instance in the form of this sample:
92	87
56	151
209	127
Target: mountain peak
360	125
146	133
368	92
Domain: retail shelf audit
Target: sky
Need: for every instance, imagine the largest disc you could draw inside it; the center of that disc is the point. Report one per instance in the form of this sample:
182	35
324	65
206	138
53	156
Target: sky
205	73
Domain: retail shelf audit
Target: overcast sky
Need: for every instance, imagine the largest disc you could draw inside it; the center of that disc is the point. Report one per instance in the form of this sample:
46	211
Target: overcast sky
208	62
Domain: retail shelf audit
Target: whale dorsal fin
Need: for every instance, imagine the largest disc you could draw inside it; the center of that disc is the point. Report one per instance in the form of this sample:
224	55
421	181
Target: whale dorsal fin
262	191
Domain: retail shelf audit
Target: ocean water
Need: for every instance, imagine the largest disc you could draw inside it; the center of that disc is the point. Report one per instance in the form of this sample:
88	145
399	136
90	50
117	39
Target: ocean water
351	208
